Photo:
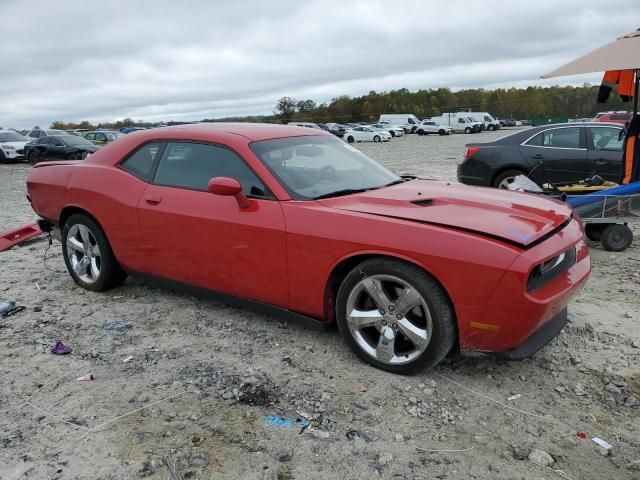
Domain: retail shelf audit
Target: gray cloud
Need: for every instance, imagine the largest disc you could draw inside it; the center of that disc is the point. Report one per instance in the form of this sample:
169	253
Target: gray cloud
161	60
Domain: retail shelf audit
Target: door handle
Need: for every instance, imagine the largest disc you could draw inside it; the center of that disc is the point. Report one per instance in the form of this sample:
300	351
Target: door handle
538	156
601	161
152	199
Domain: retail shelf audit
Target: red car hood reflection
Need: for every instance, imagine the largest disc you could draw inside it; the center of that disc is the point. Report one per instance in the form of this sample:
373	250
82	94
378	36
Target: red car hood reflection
514	217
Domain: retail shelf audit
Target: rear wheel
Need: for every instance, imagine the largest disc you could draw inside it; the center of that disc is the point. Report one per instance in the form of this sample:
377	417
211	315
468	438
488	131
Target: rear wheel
506	178
616	238
350	139
377	138
467	130
442	132
393	134
88	255
33	158
395	316
491	128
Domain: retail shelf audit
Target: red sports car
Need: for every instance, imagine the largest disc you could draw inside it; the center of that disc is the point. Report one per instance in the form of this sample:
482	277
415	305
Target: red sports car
304	223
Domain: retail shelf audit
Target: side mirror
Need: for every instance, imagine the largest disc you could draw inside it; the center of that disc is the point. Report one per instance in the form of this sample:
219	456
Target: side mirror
228	187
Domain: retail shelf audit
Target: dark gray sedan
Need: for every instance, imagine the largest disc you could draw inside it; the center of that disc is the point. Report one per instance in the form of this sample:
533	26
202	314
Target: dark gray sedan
565	153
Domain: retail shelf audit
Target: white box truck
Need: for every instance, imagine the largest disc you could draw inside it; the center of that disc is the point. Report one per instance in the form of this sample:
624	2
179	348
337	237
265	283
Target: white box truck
408	121
460	122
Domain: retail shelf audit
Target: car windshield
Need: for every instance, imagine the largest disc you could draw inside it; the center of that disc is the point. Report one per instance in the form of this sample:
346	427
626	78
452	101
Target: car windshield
11	137
73	141
319	166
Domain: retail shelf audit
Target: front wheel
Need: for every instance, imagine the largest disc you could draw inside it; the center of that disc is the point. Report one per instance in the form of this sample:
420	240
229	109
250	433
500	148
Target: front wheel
441	132
393	134
467	130
350	139
395	316
491	128
3	159
377	139
33	158
88	255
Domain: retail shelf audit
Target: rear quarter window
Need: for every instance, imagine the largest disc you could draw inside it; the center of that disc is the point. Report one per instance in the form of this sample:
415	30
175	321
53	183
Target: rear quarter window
141	163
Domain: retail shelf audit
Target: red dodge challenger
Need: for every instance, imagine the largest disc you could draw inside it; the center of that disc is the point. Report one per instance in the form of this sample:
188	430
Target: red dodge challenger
301	222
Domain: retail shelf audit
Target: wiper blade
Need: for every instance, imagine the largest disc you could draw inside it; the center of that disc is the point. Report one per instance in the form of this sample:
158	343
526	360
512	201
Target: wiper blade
395	182
339	193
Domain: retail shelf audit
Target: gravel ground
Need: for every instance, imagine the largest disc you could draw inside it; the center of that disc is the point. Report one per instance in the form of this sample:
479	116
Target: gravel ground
200	402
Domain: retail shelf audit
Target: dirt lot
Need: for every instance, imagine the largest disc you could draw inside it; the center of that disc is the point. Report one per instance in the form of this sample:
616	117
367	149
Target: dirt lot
201	400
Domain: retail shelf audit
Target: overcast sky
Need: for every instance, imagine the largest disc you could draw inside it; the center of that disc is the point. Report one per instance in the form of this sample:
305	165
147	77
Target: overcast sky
187	60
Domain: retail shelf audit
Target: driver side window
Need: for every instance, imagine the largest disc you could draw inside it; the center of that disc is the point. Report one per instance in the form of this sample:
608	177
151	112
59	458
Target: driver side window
192	165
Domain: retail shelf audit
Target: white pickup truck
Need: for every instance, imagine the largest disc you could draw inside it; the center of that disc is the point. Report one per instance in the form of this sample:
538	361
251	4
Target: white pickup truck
429	126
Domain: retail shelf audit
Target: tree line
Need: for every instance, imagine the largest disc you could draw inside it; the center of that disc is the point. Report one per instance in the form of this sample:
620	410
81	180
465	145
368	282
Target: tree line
519	103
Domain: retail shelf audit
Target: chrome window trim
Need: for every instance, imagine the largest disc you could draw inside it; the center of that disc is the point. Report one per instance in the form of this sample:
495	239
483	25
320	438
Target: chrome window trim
524	144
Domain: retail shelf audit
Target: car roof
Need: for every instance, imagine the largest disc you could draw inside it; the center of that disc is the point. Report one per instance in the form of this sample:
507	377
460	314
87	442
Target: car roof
251	131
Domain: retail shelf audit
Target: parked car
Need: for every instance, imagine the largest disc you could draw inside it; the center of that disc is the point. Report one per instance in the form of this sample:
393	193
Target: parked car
59	147
408	121
11	146
78	132
429	126
366	134
393	131
407	268
561	153
507	122
334	128
613	117
459	123
102	137
38	132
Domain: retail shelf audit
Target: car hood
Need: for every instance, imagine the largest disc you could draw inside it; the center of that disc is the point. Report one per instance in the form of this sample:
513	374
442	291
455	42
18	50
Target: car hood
20	144
517	218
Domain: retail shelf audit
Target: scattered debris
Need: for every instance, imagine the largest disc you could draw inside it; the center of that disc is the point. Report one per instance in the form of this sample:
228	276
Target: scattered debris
8	305
86	378
514	397
59	348
116	327
173	469
581	435
602	443
284	454
128	359
282	422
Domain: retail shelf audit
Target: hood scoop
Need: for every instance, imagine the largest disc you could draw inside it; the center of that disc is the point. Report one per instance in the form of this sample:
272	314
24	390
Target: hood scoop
423	203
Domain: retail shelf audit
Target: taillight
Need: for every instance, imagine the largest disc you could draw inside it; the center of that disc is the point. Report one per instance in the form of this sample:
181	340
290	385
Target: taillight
471	151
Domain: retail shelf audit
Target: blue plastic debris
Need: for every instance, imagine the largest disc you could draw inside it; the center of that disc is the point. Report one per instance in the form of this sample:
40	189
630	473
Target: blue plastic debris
8	305
281	422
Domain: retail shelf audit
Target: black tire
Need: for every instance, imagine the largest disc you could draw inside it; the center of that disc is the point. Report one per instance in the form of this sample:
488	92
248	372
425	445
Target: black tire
377	138
350	139
444	332
111	275
441	132
616	238
71	156
33	158
504	176
468	130
393	133
593	231
3	159
413	129
421	132
491	128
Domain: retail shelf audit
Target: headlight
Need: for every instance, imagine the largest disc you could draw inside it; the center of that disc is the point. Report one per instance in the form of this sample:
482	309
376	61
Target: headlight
547	271
8	147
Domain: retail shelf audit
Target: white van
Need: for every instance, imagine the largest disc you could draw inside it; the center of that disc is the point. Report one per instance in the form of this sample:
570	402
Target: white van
460	122
408	121
485	118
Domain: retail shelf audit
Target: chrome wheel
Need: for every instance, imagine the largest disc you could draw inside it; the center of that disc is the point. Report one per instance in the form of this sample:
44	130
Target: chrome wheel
504	184
389	319
84	253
